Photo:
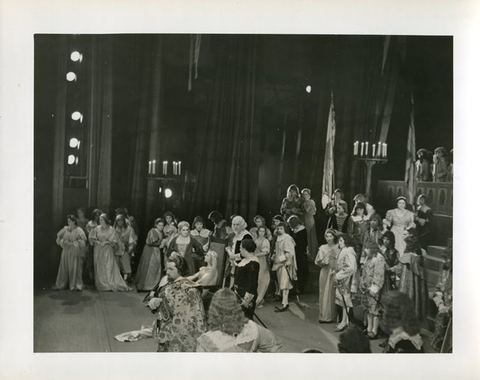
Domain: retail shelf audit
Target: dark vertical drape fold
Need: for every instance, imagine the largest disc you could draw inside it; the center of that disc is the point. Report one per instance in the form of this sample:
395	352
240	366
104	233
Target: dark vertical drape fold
99	121
228	162
364	84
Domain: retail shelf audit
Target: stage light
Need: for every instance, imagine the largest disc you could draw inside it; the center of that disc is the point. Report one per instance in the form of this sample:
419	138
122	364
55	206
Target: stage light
76	56
159	190
77	116
168	193
71	159
74	142
71	76
309	89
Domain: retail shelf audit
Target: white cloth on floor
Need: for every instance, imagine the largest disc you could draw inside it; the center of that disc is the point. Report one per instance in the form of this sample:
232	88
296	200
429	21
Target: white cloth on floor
133	336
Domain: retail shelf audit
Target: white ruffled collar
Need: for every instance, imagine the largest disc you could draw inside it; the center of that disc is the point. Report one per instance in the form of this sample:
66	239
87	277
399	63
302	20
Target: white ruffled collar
247	260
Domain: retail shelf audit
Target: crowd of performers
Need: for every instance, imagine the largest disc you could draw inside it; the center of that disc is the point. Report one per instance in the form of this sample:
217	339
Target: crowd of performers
369	261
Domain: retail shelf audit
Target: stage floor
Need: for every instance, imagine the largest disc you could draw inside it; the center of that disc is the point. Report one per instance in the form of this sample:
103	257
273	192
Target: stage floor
88	321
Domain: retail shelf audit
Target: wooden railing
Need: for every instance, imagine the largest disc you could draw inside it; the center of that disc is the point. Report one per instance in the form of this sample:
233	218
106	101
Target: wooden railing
439	195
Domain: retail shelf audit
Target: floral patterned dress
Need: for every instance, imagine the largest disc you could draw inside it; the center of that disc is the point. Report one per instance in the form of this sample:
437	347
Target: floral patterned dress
372	281
180	316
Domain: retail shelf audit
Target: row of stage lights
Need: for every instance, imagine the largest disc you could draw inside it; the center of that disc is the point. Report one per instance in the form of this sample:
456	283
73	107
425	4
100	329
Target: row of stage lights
74	142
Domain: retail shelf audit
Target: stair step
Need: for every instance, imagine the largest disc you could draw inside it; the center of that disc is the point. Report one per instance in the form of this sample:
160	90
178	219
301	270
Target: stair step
434	263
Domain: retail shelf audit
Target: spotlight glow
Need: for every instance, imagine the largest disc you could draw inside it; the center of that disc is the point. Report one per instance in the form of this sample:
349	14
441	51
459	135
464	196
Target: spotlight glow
159	190
71	159
77	116
309	89
76	56
168	193
74	142
71	76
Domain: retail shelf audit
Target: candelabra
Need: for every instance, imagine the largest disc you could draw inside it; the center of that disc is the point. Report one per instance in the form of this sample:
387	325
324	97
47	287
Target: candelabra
378	154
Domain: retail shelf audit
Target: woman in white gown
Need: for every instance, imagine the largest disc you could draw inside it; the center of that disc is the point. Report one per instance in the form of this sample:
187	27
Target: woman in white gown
107	272
72	239
399	219
263	249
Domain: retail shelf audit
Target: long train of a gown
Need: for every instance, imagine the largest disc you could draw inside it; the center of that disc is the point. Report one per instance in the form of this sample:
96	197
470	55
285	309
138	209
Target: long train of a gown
107	272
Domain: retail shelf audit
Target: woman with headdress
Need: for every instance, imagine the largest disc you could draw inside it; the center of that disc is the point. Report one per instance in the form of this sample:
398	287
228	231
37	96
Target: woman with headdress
260	222
262	252
400	322
413	279
127	241
372	281
423	219
107	273
180	315
230	331
398	220
233	249
327	260
339	220
188	247
310	209
292	204
72	239
220	230
150	267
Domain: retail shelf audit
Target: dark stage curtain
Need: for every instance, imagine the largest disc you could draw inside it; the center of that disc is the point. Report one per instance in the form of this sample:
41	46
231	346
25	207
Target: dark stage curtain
365	71
227	172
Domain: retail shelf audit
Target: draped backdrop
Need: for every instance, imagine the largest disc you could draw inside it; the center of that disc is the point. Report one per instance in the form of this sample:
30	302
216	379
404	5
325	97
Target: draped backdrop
363	75
227	165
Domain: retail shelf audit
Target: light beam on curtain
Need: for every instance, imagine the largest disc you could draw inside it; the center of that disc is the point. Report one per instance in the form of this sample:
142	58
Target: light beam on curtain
410	159
328	183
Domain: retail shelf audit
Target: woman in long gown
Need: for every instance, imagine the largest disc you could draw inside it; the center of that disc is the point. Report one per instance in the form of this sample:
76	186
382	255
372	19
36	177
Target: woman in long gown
327	260
150	267
423	218
92	223
72	239
399	219
107	272
127	241
413	279
344	273
262	251
188	247
310	209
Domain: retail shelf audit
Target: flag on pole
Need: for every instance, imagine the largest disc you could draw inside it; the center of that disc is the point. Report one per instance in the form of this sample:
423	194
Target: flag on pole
410	159
328	166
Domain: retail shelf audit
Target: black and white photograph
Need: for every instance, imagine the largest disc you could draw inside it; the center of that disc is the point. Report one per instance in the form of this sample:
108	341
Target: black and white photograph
239	189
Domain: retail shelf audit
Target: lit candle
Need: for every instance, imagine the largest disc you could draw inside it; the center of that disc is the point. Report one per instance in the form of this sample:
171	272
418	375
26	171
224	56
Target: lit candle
174	168
373	150
354	146
379	148
154	164
180	168
366	149
361	150
149	166
385	150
